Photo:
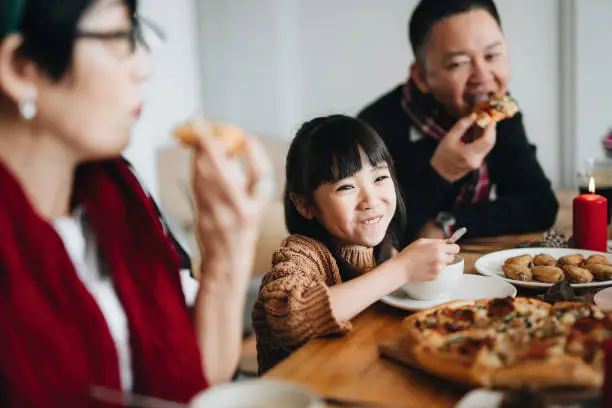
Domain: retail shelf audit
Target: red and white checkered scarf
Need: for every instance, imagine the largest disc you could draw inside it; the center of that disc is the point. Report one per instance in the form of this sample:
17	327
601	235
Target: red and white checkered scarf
431	119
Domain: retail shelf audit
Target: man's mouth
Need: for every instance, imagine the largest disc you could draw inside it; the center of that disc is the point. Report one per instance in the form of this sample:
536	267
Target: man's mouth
473	98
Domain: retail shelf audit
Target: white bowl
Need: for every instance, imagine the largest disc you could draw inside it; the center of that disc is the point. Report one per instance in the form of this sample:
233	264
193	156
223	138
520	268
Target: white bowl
438	288
257	394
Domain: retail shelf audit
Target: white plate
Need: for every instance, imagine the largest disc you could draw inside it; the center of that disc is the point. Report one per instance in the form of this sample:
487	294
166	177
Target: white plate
603	299
481	398
491	264
470	287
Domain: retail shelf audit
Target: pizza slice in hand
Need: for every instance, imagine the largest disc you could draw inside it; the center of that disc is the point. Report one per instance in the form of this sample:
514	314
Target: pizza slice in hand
496	108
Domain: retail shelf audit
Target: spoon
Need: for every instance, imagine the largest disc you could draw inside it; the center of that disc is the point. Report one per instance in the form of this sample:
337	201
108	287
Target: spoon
456	235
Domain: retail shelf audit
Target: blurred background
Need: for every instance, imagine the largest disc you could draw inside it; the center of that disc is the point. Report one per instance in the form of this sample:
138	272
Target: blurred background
268	65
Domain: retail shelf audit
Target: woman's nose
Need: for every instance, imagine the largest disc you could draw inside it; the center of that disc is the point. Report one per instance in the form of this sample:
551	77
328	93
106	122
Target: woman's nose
142	65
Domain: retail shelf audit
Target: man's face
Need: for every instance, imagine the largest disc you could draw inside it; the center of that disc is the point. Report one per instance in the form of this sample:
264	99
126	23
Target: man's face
464	57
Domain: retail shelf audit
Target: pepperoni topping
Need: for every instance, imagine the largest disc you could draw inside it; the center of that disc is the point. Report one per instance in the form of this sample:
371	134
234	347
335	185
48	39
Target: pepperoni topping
591	347
576	336
460	315
537	350
470	346
452	327
501	307
586	324
464	315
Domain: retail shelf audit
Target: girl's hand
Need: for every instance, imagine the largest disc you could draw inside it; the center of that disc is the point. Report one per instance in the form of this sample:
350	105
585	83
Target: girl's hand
424	259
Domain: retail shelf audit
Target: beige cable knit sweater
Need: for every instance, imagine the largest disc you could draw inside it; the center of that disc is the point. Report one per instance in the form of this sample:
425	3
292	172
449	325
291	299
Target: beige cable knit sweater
294	305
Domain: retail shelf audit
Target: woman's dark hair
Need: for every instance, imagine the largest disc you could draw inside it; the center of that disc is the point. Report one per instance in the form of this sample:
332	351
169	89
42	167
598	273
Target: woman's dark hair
428	12
328	149
49	29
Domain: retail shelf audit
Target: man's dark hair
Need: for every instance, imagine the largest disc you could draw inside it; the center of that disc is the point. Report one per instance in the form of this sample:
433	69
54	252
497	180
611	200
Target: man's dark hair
428	12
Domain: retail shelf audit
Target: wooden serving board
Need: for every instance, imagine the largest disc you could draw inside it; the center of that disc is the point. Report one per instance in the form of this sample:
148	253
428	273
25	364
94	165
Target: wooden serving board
392	350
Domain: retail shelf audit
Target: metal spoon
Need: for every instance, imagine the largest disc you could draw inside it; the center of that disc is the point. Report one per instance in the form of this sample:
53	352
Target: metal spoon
458	234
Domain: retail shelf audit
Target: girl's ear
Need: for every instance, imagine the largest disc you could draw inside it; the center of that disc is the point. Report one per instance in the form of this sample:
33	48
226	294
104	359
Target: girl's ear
301	205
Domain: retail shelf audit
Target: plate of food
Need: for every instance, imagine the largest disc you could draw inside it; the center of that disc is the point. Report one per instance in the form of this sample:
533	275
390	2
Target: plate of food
469	287
510	343
543	267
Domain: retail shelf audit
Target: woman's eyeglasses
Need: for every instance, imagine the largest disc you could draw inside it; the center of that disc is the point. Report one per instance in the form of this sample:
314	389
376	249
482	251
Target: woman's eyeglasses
144	34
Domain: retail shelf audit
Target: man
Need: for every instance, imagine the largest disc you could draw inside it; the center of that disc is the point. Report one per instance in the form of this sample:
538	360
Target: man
452	172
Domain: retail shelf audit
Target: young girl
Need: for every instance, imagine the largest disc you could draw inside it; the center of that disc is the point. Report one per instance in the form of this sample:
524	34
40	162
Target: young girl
343	210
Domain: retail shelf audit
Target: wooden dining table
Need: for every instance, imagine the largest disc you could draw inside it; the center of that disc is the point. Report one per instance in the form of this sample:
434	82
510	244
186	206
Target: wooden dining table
350	368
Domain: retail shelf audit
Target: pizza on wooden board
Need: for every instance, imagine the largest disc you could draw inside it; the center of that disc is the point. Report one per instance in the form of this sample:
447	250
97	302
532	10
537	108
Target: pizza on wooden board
511	342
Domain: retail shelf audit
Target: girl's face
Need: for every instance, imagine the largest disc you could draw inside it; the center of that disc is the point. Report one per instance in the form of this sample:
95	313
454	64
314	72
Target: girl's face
357	210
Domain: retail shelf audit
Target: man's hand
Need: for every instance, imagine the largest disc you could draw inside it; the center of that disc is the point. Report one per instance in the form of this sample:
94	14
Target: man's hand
453	158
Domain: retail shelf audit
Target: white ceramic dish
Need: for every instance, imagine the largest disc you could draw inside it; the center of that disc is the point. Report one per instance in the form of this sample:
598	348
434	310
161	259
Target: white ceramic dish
481	398
491	264
439	288
257	394
603	299
470	287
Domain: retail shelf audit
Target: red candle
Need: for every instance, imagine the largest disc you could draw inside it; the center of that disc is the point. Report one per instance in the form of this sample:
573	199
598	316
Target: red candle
591	221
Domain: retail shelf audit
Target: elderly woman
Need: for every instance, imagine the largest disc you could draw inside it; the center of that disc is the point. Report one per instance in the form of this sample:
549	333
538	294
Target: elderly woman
447	167
89	281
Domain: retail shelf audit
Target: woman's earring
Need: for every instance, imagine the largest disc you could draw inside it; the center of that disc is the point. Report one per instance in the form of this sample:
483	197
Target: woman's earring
27	108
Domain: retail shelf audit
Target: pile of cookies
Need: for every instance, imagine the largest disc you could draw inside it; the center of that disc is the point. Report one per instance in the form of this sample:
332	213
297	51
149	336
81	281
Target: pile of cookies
545	268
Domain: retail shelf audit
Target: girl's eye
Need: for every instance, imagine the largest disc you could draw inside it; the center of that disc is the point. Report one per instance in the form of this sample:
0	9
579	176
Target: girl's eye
381	178
345	187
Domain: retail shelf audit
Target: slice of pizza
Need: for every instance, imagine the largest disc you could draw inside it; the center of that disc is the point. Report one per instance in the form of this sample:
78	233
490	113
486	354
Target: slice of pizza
496	108
461	357
438	322
569	312
197	128
566	350
586	340
498	314
516	313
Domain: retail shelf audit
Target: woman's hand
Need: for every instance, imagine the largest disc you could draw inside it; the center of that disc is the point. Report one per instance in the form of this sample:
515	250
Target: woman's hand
229	208
424	259
227	202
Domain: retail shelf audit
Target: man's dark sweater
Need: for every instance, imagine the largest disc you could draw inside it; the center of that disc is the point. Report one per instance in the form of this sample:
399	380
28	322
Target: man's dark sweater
525	201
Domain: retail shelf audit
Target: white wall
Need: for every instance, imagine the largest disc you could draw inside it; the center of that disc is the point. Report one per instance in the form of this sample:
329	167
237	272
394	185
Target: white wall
593	77
173	91
271	64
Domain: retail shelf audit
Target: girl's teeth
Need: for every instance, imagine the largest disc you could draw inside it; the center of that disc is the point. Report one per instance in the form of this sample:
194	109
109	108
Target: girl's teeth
374	221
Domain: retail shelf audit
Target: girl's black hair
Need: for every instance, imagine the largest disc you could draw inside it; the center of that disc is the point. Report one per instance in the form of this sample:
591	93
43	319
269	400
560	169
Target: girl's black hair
49	31
328	149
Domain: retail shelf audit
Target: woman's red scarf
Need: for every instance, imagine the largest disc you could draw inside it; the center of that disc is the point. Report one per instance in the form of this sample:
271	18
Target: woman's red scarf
55	344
